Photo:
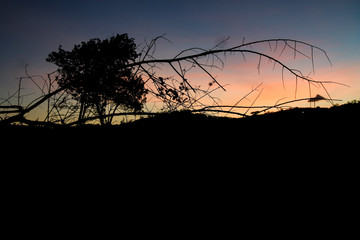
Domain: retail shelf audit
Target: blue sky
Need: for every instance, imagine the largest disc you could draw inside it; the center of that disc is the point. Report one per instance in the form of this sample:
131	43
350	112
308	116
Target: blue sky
30	30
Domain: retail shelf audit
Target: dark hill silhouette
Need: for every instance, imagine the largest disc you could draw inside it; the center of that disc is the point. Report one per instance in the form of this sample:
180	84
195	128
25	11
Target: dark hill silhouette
313	148
336	117
185	130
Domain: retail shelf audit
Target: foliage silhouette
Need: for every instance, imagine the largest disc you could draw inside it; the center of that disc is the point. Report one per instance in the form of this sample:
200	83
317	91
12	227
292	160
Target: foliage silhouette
113	77
94	74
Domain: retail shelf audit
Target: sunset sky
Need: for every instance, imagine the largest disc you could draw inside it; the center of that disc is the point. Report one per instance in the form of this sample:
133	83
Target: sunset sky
30	30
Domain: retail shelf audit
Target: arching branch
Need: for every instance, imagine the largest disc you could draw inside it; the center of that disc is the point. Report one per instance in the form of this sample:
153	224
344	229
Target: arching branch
194	55
175	90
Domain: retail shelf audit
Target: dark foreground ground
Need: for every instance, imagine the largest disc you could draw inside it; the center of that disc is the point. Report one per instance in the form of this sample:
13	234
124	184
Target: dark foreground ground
299	166
301	128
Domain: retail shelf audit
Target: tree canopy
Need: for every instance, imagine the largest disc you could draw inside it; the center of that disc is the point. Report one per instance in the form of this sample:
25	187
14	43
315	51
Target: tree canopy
93	73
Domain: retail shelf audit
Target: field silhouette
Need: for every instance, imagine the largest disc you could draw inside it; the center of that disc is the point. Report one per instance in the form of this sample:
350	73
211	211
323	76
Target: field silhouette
311	150
187	130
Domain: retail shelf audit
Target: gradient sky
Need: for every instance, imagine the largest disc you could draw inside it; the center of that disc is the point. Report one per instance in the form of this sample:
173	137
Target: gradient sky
30	30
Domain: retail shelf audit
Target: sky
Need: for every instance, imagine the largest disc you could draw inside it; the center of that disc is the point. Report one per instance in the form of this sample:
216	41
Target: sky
30	30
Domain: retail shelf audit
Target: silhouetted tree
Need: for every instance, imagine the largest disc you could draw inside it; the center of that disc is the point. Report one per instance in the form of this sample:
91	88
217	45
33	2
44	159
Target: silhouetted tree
105	75
95	74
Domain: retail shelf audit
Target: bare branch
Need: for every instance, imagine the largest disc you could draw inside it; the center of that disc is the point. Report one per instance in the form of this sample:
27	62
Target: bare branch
208	73
176	91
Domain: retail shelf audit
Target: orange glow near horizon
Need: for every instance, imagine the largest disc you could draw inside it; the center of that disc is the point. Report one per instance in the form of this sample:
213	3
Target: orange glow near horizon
239	78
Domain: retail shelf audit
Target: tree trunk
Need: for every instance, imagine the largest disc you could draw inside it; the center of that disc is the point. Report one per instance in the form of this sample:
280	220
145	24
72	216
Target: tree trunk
82	110
100	111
